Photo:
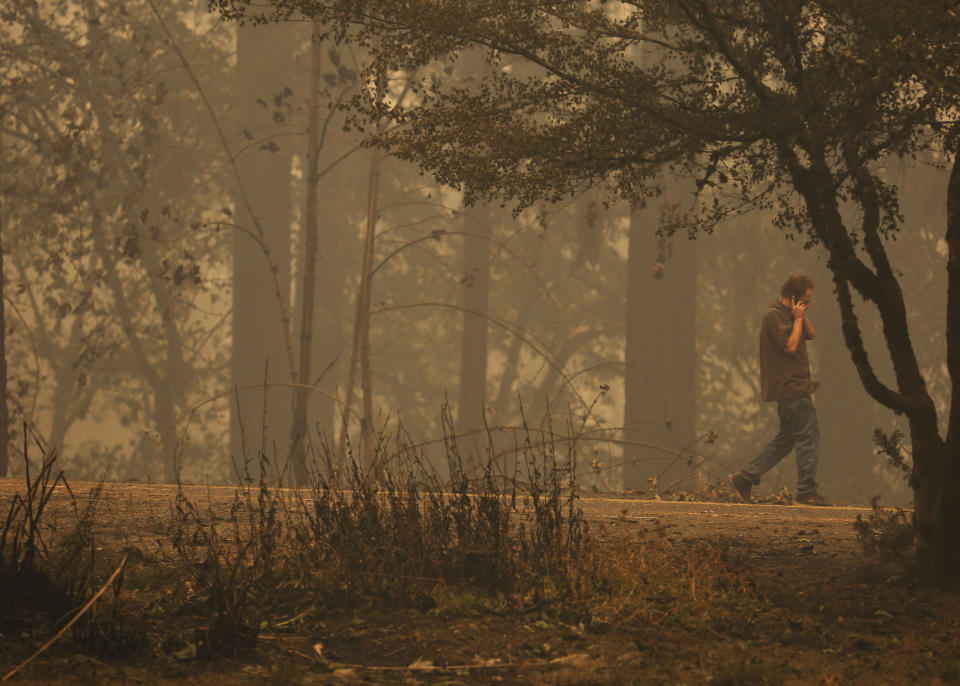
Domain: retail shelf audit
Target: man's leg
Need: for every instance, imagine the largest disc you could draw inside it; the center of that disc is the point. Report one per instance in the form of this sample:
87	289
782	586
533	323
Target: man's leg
807	435
775	450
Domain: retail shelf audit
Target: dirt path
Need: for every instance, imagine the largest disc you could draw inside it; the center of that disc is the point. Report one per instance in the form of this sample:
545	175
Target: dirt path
689	518
753	522
141	507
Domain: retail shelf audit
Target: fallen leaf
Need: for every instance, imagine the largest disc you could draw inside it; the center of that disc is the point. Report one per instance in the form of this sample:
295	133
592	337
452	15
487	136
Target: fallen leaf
573	659
187	653
489	662
421	665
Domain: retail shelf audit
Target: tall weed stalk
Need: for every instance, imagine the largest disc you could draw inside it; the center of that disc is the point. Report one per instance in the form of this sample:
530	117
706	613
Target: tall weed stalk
231	566
47	573
400	538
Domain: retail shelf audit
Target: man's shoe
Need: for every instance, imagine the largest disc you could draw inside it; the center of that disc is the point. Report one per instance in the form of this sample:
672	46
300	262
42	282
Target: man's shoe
741	486
812	499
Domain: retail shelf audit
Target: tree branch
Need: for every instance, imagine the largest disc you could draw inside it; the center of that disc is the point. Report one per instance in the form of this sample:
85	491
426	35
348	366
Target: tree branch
880	392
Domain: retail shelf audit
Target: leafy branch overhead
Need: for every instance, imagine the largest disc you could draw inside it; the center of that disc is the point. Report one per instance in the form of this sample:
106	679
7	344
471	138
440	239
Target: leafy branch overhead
743	96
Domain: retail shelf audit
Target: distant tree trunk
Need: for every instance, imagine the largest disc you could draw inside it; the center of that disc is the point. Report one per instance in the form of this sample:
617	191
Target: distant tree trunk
570	339
65	373
360	354
329	315
553	380
170	389
168	384
265	67
298	426
660	356
505	397
366	366
475	279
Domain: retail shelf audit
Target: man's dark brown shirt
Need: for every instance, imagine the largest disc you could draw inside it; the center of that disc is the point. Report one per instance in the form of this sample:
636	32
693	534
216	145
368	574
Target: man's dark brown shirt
783	376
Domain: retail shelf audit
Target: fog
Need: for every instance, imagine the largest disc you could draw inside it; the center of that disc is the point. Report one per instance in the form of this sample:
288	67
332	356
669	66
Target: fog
156	221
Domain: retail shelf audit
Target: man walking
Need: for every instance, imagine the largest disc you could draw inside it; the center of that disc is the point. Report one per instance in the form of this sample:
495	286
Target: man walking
785	378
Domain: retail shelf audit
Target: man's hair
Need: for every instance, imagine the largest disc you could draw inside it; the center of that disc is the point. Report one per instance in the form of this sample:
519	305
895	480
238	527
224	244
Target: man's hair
795	286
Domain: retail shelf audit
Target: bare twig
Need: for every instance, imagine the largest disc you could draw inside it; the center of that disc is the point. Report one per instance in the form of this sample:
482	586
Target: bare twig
76	617
232	160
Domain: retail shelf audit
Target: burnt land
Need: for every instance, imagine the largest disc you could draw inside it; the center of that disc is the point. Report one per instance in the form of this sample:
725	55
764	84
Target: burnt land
674	592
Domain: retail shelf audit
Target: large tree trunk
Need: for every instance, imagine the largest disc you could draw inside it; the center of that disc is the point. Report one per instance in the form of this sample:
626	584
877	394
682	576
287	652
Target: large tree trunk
660	357
936	477
261	273
4	415
936	501
475	278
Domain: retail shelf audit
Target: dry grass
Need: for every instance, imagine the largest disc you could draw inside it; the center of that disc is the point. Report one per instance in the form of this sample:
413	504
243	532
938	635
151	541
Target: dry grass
410	579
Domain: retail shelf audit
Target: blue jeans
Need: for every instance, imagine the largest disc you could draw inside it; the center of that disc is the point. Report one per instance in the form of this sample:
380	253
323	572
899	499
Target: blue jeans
798	428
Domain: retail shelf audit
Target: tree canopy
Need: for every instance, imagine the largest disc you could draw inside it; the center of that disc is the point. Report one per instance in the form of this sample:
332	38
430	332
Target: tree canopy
739	95
789	105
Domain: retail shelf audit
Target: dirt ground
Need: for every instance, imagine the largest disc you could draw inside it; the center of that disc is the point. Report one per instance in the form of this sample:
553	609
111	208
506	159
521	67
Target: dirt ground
820	611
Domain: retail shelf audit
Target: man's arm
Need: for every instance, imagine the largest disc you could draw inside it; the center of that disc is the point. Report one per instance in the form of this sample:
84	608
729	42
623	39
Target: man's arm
793	342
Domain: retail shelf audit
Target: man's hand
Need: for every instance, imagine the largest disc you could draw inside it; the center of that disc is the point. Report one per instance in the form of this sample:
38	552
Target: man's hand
799	308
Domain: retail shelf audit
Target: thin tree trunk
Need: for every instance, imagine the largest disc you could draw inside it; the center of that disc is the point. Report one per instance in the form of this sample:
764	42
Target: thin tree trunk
345	409
660	354
65	396
265	66
360	353
366	368
505	396
475	279
165	415
553	382
298	426
329	316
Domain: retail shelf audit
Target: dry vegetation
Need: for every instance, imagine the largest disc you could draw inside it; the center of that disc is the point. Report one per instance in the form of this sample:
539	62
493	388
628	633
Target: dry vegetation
458	582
